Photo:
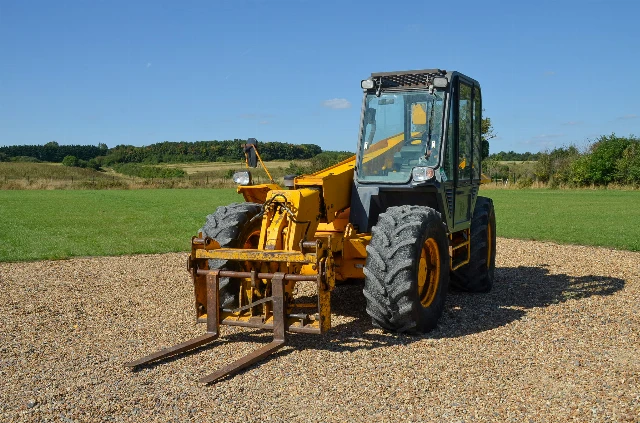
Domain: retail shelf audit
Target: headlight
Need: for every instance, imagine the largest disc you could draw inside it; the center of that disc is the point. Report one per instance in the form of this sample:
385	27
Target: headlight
366	84
242	178
420	174
440	82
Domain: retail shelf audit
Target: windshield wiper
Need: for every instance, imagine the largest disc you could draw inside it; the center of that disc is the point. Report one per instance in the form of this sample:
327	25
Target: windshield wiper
430	129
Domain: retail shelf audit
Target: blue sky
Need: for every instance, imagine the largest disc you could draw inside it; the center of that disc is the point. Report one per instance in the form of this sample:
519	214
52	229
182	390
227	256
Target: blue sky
138	72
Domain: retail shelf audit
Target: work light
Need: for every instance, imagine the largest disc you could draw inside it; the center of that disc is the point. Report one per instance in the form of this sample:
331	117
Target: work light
242	178
421	174
367	84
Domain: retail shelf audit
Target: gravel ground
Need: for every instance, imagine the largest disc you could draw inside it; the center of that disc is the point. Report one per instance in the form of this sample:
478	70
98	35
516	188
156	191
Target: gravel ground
556	340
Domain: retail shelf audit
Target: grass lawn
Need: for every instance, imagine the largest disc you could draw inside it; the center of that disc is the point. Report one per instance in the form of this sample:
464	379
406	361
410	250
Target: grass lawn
56	224
37	225
607	218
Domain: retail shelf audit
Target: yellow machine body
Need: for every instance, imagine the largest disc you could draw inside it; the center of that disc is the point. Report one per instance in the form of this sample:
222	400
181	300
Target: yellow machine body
305	231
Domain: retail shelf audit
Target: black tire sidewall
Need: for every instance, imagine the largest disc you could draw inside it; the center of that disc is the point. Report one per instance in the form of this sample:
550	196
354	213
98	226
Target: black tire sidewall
391	286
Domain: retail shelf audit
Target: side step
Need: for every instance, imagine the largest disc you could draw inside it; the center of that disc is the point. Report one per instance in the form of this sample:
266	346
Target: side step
213	330
459	249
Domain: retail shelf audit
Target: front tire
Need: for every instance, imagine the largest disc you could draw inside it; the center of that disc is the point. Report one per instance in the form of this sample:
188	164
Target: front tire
407	270
229	225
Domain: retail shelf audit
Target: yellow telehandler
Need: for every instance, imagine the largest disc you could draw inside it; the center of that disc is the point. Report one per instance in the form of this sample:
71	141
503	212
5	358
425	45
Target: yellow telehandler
403	214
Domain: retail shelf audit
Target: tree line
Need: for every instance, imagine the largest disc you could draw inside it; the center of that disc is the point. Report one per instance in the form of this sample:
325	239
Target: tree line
610	159
165	152
512	156
51	152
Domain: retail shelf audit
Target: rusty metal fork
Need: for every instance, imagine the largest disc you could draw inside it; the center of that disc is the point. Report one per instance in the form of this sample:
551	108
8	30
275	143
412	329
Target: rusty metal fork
277	293
213	327
213	331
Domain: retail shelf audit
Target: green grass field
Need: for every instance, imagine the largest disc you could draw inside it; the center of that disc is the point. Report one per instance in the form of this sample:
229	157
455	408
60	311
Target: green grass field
58	224
608	218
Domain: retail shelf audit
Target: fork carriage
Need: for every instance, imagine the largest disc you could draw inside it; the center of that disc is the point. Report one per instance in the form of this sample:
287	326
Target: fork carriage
266	298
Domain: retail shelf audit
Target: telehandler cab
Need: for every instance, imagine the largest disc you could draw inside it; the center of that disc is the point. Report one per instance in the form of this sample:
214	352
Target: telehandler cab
403	214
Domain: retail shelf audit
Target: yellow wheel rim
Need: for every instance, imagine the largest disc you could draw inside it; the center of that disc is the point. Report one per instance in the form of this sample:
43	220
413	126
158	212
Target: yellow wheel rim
252	240
428	272
489	246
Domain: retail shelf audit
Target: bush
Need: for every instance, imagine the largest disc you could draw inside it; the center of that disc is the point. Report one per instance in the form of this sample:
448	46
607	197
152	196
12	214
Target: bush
71	161
628	166
580	173
601	163
93	164
526	182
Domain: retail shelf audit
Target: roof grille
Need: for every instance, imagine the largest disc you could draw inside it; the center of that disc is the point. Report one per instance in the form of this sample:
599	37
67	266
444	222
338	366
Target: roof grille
408	78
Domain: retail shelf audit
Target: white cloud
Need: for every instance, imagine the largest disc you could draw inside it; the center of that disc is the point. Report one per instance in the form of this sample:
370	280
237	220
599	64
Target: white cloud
264	122
572	123
337	103
625	117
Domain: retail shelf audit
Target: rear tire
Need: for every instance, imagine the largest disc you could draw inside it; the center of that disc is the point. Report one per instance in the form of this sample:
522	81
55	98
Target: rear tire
407	270
478	275
229	225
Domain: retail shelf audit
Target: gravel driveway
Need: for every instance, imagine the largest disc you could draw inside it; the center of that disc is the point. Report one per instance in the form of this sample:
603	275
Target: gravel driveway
557	339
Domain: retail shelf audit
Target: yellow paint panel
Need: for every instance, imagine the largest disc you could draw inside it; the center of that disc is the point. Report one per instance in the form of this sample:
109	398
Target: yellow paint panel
256	193
382	147
305	204
418	114
335	182
256	255
355	247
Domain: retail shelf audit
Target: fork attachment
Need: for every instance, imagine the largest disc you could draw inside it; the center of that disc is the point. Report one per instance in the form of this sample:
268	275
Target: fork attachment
213	328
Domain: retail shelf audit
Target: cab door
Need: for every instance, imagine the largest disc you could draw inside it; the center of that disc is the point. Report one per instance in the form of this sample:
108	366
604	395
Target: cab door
466	117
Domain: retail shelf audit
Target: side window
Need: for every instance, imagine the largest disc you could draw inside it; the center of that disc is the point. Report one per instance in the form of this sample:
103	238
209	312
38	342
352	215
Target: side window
477	132
464	133
449	165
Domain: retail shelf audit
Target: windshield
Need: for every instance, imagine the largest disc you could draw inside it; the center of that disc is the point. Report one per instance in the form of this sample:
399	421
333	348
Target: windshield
400	131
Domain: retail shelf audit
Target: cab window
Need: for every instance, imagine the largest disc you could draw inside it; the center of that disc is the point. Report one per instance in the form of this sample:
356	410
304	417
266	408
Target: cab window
477	132
465	132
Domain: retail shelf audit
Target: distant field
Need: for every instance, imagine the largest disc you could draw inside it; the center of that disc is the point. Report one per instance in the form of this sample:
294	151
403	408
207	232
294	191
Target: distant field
10	170
48	176
193	168
37	225
588	217
57	224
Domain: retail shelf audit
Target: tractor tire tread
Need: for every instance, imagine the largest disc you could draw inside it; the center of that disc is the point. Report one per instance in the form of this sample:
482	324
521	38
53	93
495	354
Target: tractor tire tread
389	269
225	225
